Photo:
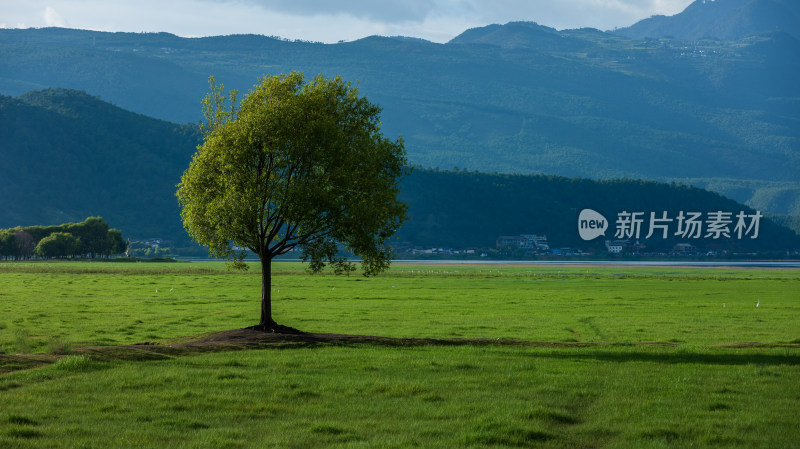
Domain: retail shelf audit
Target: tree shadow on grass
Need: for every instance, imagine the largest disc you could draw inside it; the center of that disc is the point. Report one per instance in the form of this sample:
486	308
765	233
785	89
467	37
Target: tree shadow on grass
242	339
657	352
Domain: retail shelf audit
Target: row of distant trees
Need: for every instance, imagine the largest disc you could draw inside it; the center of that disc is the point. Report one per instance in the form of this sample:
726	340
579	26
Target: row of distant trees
90	239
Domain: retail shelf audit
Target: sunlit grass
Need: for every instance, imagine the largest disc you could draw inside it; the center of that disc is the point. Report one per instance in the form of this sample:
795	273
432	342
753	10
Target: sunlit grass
113	303
434	396
613	393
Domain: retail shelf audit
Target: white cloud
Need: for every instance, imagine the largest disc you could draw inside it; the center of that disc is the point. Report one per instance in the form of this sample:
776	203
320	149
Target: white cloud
53	19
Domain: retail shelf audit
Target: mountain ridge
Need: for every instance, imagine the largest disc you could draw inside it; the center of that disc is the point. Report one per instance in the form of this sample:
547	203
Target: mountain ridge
514	98
721	19
520	34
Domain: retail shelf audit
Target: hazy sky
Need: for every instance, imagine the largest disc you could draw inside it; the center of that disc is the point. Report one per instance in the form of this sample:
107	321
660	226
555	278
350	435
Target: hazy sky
326	20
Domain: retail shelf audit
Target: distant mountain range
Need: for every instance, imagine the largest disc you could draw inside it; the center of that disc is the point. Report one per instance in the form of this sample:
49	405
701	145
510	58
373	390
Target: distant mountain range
513	98
721	19
68	155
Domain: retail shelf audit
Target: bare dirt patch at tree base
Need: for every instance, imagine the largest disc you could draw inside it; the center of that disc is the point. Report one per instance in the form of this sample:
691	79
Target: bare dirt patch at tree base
248	338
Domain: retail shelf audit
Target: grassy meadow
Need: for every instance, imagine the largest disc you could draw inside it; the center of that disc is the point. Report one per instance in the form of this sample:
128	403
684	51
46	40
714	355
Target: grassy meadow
725	375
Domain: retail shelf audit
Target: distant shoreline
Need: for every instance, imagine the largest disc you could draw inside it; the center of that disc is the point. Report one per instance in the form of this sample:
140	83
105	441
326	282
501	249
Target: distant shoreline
786	264
613	263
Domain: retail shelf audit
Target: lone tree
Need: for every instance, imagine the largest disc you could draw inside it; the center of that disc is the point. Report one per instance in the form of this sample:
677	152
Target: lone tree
296	164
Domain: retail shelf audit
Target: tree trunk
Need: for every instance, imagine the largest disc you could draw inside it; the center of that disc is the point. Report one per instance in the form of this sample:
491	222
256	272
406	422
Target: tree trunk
266	322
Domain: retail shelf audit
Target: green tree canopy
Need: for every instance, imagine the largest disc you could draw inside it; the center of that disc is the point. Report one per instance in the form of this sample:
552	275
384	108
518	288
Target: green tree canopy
115	244
7	243
297	164
92	237
58	245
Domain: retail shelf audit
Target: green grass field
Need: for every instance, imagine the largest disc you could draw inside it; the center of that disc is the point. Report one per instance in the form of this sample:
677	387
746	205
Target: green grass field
587	384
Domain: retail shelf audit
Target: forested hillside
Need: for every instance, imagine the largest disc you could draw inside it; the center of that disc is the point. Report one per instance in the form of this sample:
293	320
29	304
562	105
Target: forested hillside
514	98
67	155
460	209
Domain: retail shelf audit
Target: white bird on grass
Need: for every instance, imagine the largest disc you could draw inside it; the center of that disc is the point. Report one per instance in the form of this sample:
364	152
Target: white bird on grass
758	301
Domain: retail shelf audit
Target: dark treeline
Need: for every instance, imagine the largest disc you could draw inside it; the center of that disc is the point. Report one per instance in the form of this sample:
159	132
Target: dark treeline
459	209
90	239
